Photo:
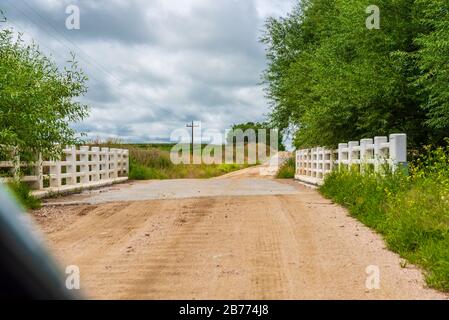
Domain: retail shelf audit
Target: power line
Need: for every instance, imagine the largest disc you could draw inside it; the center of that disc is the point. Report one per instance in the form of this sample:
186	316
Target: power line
90	61
193	126
19	27
39	26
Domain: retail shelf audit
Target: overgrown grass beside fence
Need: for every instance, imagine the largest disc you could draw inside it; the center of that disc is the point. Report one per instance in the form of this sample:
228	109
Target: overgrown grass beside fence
152	161
287	169
22	193
410	211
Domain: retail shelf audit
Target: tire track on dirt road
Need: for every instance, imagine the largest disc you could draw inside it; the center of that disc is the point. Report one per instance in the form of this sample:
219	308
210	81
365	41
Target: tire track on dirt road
285	246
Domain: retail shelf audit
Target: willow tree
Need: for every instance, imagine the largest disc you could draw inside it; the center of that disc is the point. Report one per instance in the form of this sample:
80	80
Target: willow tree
337	80
433	58
37	99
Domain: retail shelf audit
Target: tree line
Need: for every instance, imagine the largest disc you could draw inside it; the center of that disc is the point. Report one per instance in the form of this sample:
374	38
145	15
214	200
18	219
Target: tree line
333	79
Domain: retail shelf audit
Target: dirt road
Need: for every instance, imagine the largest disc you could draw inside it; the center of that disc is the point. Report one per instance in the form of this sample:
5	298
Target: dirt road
286	242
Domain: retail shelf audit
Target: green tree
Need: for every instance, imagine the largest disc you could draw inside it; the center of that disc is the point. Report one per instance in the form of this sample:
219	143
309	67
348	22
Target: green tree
336	80
257	126
433	61
37	103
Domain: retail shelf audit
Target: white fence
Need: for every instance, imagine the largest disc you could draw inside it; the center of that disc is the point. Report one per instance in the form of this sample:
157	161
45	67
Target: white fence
79	168
312	165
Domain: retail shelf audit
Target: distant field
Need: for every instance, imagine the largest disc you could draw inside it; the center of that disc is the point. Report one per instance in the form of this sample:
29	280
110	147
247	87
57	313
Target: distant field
152	161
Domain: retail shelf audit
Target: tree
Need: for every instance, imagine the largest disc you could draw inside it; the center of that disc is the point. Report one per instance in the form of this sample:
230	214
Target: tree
256	126
336	80
433	58
37	103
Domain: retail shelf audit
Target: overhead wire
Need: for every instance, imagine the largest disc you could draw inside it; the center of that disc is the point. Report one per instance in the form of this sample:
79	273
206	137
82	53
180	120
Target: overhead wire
89	60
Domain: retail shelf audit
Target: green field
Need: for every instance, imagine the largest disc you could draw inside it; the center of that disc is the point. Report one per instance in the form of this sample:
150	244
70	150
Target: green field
152	161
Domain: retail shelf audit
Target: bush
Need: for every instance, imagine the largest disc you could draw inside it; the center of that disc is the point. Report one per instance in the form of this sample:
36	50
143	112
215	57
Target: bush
287	170
140	172
411	212
331	79
23	195
151	157
39	100
228	167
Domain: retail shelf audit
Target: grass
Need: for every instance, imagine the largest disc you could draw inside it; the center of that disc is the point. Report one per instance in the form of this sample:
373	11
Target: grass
411	211
23	195
287	170
152	161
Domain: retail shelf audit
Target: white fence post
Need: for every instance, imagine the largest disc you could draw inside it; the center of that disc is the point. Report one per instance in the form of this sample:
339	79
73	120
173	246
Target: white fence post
115	169
342	154
379	152
16	164
315	162
39	172
127	162
55	174
97	167
106	169
312	165
398	150
365	153
321	162
70	153
84	164
353	150
95	163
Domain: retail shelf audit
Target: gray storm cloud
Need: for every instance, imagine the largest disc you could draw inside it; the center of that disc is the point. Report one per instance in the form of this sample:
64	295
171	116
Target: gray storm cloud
154	65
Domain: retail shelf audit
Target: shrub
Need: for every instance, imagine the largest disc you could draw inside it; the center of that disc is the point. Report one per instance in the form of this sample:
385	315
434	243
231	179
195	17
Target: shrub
228	167
140	172
23	195
411	212
287	170
39	100
152	157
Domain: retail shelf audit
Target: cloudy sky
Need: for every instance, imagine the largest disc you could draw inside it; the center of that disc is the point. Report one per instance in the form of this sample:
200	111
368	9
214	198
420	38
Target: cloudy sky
154	65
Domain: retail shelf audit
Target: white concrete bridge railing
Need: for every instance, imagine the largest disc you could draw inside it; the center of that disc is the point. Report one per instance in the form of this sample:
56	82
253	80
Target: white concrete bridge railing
79	168
312	165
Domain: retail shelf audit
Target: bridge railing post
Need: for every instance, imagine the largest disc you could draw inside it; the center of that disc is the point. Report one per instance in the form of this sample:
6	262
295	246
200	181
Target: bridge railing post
379	152
315	163
398	150
365	153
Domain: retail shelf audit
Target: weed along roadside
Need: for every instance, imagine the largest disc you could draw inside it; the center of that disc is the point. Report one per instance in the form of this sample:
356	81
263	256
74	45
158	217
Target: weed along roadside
409	211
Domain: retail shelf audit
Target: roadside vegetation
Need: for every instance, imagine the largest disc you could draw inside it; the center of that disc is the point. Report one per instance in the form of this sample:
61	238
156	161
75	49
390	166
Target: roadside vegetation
23	195
287	170
256	126
38	104
148	163
411	211
37	100
335	80
331	79
152	161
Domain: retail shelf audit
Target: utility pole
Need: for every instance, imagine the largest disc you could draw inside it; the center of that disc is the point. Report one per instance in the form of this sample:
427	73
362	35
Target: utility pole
193	126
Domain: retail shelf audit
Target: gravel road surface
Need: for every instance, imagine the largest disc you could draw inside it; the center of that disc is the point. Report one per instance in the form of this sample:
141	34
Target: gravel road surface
237	237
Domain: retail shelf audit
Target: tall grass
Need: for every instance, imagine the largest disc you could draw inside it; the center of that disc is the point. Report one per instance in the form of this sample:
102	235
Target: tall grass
23	195
152	161
410	211
287	169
